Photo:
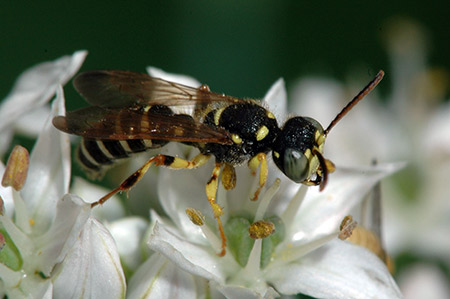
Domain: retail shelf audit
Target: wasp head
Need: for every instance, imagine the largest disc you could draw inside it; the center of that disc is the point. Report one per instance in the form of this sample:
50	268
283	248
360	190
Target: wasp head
297	151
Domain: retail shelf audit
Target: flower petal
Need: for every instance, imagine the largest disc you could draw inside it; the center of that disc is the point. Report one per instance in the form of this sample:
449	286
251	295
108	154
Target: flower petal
49	173
188	192
37	85
128	233
337	270
276	100
110	211
322	212
92	267
6	193
232	291
71	215
177	78
158	277
192	258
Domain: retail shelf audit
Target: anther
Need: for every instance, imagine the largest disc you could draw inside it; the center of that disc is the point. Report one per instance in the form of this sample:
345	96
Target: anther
195	216
347	226
17	168
261	229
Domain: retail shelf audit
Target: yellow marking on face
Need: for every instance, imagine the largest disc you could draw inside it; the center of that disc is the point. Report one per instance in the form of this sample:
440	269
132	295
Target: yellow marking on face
319	137
308	154
236	139
147	108
270	115
276	154
217	115
262	133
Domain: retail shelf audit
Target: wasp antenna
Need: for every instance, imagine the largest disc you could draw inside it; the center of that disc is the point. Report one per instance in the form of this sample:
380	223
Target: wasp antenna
356	99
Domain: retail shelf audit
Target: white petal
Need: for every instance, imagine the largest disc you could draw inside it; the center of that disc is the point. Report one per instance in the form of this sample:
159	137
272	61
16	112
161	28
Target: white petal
37	85
318	98
424	281
128	234
92	267
276	100
49	173
230	291
30	287
158	277
337	270
32	123
322	212
6	193
111	210
192	258
187	192
71	215
436	135
177	78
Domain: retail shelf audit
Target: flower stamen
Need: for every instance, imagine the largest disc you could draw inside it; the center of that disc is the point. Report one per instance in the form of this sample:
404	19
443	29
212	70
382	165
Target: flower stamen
261	229
198	219
17	168
347	227
291	210
266	199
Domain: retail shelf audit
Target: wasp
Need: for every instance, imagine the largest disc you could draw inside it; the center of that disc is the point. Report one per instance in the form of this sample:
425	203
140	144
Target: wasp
133	112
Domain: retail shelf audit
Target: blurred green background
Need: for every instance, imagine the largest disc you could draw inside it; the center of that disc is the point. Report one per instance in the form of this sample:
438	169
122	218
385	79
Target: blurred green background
237	47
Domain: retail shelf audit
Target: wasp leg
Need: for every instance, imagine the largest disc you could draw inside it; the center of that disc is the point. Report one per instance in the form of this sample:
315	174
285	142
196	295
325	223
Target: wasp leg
158	160
228	177
211	191
259	159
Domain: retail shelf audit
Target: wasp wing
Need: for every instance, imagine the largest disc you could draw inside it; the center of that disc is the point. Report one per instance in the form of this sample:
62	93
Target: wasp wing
123	124
117	88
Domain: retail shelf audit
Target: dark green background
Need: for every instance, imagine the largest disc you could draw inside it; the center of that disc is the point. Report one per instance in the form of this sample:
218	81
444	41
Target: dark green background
237	47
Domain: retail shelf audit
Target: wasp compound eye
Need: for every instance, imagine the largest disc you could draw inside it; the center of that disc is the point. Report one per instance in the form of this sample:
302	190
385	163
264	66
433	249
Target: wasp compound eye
295	165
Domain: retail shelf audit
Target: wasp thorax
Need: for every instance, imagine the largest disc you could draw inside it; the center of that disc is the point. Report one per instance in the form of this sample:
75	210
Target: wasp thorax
293	148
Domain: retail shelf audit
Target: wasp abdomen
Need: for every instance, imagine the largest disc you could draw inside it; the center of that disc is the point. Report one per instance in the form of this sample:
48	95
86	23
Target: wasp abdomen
96	155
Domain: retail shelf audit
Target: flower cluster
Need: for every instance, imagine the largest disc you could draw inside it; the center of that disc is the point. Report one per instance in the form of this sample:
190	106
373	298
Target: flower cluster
54	246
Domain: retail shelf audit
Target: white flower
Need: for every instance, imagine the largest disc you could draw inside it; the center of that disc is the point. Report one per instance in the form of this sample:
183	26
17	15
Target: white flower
52	247
413	125
303	256
22	109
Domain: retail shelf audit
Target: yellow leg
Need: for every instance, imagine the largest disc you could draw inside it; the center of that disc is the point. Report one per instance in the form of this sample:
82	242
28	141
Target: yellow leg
211	191
228	177
158	160
253	164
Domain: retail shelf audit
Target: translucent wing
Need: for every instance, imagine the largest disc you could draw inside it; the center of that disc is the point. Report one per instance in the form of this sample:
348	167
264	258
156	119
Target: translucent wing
122	124
124	89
